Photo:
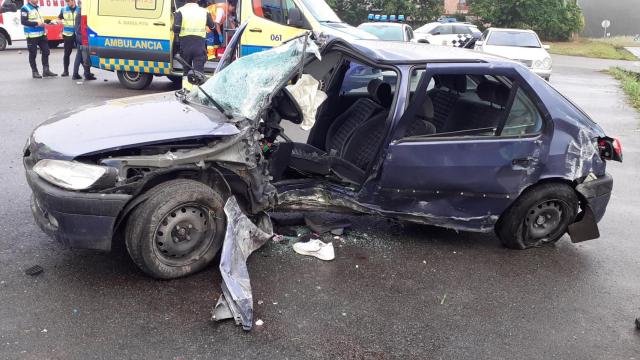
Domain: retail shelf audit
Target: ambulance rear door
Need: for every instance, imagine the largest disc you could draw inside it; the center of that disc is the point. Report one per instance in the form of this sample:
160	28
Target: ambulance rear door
268	24
132	37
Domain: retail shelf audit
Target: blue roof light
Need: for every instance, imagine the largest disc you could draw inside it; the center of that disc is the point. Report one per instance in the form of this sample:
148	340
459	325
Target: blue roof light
370	17
401	18
383	18
377	17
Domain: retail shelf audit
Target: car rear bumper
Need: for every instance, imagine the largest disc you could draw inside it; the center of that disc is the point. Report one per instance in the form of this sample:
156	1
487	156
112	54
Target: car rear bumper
77	220
597	194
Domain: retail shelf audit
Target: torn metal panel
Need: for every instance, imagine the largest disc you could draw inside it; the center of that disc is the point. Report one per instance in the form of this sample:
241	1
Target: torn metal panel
242	238
583	155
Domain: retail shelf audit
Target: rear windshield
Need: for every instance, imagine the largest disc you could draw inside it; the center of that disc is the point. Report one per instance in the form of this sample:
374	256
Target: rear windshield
388	33
514	38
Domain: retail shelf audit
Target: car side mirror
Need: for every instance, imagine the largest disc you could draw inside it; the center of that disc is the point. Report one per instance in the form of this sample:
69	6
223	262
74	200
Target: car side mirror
296	19
546	47
196	77
423	41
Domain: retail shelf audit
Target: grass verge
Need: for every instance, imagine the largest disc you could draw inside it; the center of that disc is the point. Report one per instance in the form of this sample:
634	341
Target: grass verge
596	48
630	84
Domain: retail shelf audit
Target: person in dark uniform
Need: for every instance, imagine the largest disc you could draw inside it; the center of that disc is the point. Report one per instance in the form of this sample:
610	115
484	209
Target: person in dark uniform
190	24
68	15
82	54
36	35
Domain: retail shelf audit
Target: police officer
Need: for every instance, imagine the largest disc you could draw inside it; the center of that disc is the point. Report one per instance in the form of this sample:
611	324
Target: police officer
190	23
68	15
36	36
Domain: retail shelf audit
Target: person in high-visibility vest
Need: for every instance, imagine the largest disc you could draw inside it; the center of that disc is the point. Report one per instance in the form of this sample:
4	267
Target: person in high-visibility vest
36	35
68	15
190	23
220	11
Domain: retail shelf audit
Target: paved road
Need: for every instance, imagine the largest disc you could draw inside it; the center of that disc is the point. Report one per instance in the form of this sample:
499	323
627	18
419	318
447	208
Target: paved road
420	293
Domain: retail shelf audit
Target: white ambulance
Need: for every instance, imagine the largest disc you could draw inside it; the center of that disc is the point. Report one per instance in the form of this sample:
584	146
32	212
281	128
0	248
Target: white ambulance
11	31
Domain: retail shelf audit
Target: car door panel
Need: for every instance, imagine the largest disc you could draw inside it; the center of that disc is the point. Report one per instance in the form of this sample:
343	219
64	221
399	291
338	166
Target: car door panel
466	181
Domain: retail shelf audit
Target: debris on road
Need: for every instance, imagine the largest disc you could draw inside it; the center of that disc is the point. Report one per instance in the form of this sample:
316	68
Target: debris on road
316	248
34	270
259	322
323	223
638	323
242	238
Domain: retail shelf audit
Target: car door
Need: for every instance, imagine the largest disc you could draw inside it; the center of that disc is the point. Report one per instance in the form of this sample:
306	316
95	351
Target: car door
467	179
268	24
11	20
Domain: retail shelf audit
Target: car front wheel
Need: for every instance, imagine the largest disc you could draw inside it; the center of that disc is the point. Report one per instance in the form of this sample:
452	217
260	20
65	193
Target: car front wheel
178	230
3	41
541	215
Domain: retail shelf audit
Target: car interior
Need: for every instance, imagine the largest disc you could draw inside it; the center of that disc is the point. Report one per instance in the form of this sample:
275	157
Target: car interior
352	124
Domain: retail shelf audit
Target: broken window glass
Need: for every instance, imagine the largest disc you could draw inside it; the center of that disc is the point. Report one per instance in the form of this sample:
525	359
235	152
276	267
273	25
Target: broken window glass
244	87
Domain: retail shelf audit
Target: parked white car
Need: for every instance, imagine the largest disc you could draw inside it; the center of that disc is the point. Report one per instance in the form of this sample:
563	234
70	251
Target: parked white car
519	45
388	31
447	34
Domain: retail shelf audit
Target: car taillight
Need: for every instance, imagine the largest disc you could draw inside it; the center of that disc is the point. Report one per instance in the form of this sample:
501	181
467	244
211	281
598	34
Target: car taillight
610	148
220	52
83	30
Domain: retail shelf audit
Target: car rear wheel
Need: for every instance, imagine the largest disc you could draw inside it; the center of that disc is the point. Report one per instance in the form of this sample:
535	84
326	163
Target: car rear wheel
134	80
540	216
3	42
178	230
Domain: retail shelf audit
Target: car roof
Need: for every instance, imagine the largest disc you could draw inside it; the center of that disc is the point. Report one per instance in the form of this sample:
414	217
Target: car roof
399	52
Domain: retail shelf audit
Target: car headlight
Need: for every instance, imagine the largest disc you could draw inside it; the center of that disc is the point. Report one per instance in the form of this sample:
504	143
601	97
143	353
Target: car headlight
74	175
547	62
537	64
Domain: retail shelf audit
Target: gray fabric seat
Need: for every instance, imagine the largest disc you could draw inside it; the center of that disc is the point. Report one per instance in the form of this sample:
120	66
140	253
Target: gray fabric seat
352	140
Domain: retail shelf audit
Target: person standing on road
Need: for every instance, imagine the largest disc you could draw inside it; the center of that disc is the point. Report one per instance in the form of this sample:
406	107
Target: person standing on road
82	53
190	23
68	15
36	35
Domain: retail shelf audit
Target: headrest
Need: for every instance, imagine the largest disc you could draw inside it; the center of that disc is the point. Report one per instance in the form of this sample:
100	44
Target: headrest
494	93
380	92
426	112
454	82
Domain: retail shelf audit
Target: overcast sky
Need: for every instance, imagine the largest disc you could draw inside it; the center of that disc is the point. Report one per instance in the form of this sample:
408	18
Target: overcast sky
624	16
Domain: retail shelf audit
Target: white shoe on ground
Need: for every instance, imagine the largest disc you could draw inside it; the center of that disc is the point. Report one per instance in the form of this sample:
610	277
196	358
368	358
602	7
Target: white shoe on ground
315	248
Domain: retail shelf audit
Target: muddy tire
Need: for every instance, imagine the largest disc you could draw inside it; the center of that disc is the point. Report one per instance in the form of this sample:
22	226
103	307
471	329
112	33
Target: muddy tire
541	215
177	231
134	80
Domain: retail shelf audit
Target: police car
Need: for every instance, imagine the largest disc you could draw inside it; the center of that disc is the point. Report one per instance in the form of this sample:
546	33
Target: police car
388	28
455	34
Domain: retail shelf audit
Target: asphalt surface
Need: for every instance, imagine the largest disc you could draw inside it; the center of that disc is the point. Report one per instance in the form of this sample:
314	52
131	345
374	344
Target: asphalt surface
392	292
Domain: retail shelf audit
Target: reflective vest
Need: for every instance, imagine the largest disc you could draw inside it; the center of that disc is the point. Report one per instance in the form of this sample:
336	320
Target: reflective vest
194	20
34	15
213	9
69	20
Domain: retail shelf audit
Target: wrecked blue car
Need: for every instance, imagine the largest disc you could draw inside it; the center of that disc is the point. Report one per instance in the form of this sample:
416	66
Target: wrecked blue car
439	136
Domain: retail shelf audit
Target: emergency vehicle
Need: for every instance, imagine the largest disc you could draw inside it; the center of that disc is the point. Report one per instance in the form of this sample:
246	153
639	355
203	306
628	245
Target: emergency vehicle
12	31
135	38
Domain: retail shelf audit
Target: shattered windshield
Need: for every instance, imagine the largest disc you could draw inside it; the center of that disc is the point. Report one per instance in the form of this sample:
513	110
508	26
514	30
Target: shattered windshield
244	86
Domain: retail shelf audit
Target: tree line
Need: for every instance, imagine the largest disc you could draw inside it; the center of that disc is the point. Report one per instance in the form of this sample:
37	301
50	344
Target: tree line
551	19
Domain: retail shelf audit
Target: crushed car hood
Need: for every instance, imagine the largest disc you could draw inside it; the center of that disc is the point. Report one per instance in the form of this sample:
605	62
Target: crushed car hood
126	123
